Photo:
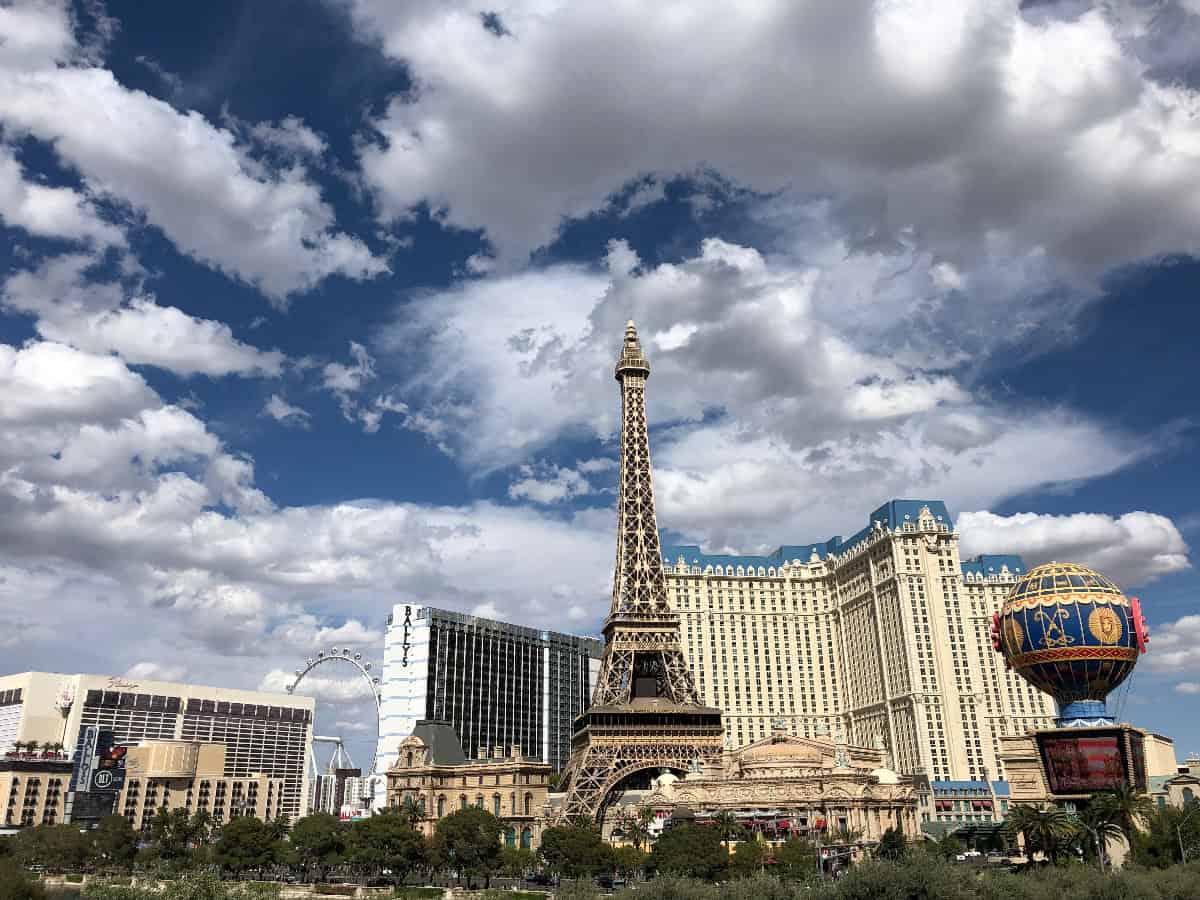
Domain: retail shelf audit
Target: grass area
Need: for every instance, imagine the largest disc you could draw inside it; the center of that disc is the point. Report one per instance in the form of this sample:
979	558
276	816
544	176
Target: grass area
419	893
73	879
337	890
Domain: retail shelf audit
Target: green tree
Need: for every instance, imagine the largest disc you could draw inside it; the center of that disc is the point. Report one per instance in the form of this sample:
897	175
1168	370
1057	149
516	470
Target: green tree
1157	846
386	841
950	846
317	842
892	845
247	844
1125	808
747	860
57	847
172	833
634	825
796	860
1044	829
628	861
1097	826
727	826
113	842
690	850
516	861
575	851
468	841
15	883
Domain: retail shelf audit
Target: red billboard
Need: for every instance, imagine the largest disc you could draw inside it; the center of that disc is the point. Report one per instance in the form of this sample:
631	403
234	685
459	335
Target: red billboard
1084	763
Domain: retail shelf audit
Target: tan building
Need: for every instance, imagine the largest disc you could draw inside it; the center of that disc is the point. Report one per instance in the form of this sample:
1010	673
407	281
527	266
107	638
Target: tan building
886	634
33	788
1179	789
785	786
1027	774
433	775
191	776
262	733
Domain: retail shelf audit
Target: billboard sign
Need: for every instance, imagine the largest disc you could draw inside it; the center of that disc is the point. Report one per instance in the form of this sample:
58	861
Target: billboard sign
1083	763
85	759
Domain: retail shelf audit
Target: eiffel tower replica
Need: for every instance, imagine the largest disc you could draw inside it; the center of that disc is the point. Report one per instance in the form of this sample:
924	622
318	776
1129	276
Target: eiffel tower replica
645	712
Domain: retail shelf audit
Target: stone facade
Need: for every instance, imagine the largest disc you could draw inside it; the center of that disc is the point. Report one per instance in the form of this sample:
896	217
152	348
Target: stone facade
433	776
784	785
885	634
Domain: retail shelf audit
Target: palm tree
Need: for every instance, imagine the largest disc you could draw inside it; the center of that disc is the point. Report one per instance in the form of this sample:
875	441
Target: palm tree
1097	826
1127	808
1043	829
728	825
636	825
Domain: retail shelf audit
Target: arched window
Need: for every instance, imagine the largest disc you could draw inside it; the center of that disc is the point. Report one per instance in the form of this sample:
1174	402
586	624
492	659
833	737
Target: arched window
410	758
526	838
479	800
462	801
528	806
1188	795
512	803
496	804
441	807
510	838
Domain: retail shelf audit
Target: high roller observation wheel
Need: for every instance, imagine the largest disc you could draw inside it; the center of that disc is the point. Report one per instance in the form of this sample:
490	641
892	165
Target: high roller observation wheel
345	655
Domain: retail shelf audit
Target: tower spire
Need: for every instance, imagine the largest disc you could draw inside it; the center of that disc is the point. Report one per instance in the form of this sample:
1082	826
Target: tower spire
645	711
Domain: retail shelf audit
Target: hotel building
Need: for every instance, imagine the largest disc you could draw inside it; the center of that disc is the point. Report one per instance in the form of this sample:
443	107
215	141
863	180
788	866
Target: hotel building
496	684
885	635
262	734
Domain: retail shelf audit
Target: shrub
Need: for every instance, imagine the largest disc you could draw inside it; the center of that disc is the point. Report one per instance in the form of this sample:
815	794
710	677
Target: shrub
577	890
73	879
340	890
420	893
15	883
668	887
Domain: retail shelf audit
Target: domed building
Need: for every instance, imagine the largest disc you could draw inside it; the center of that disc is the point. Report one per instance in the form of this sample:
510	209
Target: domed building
782	786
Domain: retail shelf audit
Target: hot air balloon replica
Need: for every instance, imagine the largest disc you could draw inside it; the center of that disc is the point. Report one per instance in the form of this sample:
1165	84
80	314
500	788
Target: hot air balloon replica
1072	633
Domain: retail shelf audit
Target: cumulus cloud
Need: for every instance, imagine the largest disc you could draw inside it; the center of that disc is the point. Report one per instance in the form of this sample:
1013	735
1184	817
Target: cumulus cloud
1188	687
54	212
968	122
212	198
546	484
1175	646
282	411
779	402
102	317
1132	549
290	137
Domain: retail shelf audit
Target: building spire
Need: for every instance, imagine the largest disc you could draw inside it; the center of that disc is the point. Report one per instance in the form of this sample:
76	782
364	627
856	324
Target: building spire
632	360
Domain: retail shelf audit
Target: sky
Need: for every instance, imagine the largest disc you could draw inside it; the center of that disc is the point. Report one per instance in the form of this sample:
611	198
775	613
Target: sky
310	308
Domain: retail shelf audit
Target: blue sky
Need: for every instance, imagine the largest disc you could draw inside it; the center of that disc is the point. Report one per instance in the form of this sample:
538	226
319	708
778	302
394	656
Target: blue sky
310	308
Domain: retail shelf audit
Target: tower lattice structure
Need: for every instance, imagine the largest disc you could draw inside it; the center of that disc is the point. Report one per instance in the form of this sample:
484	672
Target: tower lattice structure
645	712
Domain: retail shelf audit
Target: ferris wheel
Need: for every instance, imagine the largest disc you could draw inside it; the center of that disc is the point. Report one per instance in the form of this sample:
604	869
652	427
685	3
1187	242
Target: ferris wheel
345	656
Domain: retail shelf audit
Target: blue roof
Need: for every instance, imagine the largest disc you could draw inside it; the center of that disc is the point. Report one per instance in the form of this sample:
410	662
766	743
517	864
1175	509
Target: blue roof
892	514
1000	788
992	564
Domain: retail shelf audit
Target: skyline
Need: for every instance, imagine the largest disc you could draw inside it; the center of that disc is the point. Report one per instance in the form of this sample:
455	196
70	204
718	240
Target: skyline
306	315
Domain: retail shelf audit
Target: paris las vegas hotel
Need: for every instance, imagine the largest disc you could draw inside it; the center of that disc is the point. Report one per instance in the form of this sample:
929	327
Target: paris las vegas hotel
884	635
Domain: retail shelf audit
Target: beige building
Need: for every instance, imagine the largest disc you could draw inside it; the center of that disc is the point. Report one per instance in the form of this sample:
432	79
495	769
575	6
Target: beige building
264	734
886	634
783	786
433	775
191	776
33	788
1178	789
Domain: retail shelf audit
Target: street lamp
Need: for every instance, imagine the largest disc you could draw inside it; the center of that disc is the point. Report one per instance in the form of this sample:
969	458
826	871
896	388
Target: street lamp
1179	829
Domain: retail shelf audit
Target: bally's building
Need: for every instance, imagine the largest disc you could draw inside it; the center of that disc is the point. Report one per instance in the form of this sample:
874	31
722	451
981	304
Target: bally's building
496	684
883	637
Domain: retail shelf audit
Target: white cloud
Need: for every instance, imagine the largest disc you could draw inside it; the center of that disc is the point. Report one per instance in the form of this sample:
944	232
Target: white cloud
282	411
1175	646
1188	687
965	121
291	137
347	379
99	317
152	671
212	199
1132	549
548	484
55	212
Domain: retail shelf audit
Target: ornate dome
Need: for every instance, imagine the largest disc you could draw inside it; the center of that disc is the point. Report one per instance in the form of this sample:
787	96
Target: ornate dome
783	752
1070	632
